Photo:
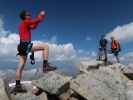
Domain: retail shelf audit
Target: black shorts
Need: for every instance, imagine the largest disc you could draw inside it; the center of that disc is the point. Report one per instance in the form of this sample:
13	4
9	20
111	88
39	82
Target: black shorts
24	48
115	52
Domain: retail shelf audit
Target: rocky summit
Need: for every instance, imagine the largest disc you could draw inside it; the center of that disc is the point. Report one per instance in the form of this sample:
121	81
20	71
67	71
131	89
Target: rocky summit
94	82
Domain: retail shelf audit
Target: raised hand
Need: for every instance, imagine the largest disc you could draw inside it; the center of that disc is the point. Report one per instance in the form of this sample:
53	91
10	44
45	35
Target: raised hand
42	12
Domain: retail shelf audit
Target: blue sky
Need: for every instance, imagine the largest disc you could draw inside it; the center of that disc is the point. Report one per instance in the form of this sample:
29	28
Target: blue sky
79	22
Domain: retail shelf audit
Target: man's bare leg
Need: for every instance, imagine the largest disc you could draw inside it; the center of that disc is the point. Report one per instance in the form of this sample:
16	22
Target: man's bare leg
42	47
19	70
22	61
45	49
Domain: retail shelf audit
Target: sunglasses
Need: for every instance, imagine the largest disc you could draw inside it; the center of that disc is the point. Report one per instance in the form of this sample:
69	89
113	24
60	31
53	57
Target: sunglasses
27	14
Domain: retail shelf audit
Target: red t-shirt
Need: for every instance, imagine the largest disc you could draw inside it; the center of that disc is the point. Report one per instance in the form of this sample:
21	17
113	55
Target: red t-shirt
26	26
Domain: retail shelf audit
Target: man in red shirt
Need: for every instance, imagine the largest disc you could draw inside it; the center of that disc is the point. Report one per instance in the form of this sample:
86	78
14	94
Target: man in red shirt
25	46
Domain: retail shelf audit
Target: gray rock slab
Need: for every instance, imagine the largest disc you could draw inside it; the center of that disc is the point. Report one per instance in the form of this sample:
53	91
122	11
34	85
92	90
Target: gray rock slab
129	90
104	84
29	96
85	66
53	83
4	95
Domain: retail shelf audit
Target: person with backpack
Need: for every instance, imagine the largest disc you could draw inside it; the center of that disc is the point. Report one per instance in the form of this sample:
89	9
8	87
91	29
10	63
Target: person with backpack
103	49
26	46
115	48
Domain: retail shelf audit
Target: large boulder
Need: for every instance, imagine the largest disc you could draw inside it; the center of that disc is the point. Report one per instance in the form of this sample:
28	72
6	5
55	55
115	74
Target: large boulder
53	82
66	95
105	83
85	66
4	93
127	68
29	96
129	90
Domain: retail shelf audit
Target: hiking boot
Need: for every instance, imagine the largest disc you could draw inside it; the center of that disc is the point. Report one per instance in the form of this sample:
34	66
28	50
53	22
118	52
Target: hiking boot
51	67
47	67
18	89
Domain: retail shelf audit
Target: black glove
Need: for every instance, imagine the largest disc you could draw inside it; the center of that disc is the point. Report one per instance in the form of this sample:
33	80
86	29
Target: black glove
32	58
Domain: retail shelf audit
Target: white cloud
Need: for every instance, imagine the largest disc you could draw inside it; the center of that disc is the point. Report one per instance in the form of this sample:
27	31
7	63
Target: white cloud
123	33
8	46
93	54
58	51
3	32
128	57
8	42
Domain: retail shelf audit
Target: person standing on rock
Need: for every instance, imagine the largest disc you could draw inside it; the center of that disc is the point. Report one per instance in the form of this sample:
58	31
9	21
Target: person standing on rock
103	49
115	48
25	46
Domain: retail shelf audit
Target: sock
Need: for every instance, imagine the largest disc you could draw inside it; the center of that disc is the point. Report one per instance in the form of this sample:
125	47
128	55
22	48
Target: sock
45	62
17	82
